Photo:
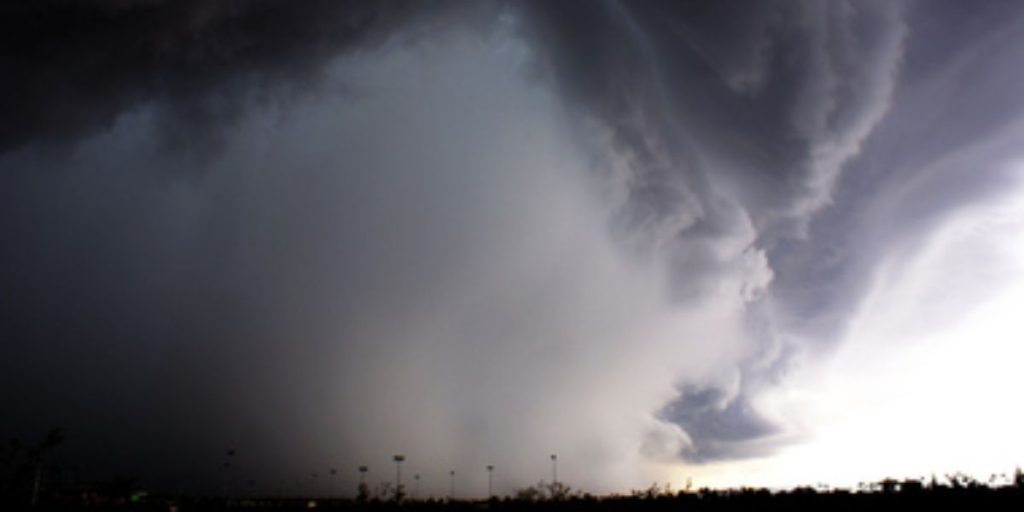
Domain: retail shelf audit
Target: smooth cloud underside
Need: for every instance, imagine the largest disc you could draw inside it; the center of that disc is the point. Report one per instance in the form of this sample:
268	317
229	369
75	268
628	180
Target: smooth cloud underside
473	232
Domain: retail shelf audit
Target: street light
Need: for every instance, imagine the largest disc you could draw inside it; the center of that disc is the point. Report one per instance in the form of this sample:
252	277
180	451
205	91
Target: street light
363	492
452	495
229	456
416	485
490	480
554	468
398	476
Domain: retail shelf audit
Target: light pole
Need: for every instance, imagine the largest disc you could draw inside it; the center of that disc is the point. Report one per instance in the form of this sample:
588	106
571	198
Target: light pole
490	481
330	484
363	492
451	496
398	476
554	468
229	455
416	485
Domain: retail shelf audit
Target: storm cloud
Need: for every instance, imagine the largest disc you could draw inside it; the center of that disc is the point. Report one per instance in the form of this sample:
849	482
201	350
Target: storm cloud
474	233
82	64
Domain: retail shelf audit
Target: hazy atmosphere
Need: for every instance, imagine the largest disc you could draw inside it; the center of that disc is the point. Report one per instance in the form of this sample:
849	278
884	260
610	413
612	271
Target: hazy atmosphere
740	243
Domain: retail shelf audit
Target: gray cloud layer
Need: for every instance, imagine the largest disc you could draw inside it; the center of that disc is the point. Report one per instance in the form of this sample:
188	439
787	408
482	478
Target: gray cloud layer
459	230
734	123
80	65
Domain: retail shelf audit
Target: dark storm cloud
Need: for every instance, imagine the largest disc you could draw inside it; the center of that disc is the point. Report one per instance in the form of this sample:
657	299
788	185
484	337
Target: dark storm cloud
769	92
720	426
949	129
78	65
737	121
138	311
410	268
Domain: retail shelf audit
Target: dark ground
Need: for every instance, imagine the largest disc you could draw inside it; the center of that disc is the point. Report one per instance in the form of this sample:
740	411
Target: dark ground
960	494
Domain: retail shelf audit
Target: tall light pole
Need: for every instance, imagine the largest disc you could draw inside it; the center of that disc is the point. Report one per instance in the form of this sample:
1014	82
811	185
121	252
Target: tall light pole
398	476
554	468
416	485
229	455
451	496
330	485
362	492
490	481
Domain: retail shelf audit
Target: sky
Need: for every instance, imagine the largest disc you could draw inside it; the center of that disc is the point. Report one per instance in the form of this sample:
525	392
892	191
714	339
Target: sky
734	243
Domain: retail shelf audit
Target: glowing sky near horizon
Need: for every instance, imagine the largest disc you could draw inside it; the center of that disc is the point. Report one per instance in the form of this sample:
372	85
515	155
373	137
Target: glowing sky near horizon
927	378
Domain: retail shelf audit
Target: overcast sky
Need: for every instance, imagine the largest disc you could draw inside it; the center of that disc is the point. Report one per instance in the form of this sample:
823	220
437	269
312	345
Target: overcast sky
767	243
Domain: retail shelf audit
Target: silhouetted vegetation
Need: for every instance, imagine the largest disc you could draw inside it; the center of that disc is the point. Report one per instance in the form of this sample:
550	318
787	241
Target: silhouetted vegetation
957	490
25	472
